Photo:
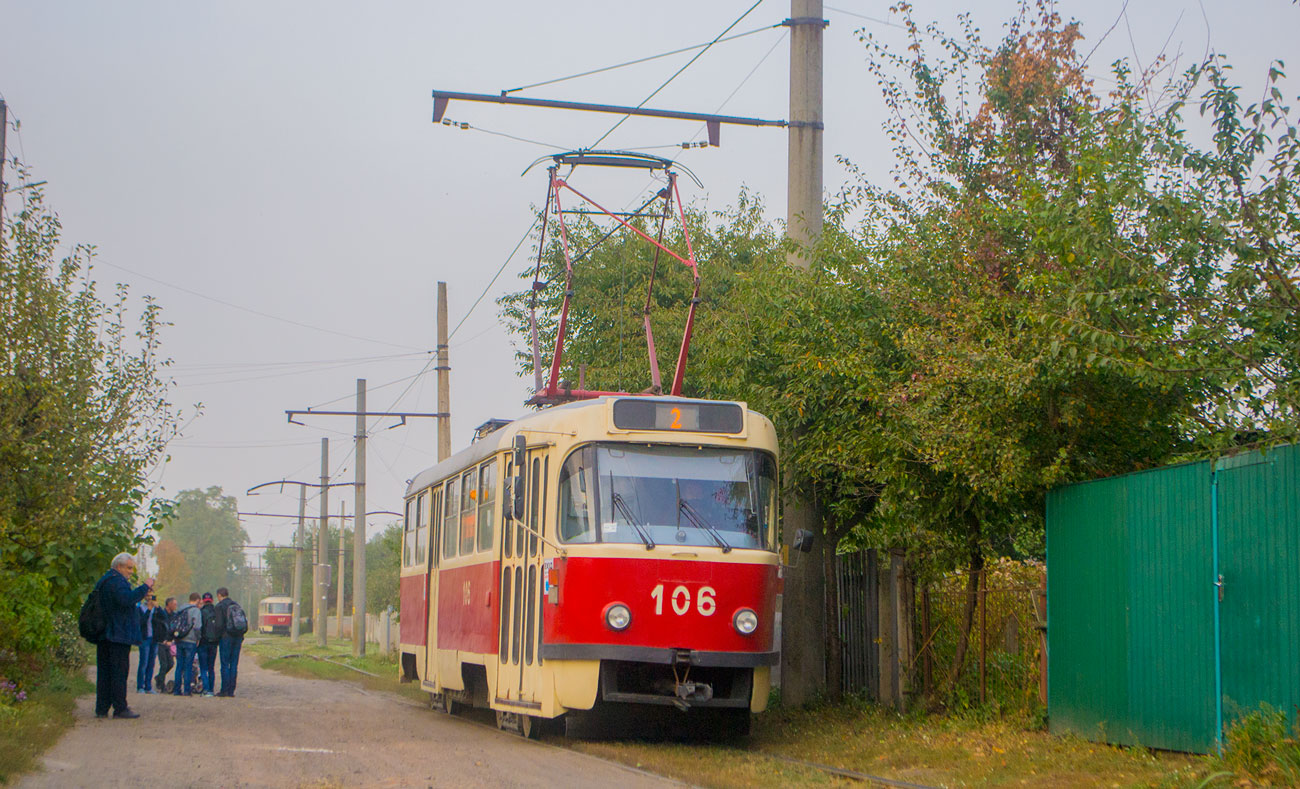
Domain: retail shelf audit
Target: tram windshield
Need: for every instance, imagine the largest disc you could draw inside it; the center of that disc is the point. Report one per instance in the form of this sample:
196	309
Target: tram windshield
279	608
668	495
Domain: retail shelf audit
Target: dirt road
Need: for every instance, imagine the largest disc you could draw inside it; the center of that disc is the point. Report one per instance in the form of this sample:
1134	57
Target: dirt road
287	732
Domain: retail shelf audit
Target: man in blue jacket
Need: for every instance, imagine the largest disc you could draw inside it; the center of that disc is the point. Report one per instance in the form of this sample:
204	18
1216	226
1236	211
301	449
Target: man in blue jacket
113	654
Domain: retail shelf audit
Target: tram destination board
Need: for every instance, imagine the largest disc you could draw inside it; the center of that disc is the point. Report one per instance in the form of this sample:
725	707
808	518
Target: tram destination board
646	414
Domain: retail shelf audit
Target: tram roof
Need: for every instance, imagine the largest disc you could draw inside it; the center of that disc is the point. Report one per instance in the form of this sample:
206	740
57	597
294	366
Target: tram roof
500	439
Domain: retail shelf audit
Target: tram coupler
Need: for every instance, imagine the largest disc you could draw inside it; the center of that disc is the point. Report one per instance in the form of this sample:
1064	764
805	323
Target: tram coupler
689	691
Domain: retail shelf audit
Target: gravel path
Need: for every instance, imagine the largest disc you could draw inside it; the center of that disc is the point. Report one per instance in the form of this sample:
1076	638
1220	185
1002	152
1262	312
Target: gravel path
284	731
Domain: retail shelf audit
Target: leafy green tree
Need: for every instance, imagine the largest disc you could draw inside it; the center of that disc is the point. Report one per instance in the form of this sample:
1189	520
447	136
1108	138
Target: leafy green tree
84	410
206	530
383	569
605	325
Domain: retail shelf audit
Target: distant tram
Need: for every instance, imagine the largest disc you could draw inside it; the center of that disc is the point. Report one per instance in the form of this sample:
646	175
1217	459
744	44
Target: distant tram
274	615
604	561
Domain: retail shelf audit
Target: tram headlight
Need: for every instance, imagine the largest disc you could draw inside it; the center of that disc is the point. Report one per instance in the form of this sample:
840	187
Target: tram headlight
745	621
617	617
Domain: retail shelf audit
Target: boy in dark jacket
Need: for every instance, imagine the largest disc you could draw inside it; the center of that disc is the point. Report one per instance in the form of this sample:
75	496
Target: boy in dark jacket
113	654
163	634
209	637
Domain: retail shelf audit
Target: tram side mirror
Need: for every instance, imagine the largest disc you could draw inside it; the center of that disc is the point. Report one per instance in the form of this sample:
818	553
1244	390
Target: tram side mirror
519	448
517	497
803	540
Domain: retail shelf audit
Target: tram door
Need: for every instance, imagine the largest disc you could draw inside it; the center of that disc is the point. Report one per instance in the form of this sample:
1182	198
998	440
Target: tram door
519	666
435	553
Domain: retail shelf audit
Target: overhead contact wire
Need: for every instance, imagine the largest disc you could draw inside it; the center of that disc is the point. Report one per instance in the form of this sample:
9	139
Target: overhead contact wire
677	73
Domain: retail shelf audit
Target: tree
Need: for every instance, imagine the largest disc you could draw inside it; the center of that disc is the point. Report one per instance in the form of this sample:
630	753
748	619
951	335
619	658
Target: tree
174	574
84	411
605	324
206	530
383	568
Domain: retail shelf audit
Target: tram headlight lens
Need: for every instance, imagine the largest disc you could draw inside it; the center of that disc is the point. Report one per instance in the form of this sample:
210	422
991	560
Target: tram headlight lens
745	621
618	617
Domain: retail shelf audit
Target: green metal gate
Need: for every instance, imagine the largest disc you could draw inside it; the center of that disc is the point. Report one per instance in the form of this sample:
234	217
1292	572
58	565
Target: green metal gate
1147	645
1258	524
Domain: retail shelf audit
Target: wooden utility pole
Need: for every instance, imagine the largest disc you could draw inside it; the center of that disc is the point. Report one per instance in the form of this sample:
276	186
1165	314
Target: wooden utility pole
444	378
359	531
804	622
319	606
298	548
338	607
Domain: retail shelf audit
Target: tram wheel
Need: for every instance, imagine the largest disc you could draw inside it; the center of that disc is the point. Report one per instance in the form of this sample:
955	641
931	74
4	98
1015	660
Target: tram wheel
449	704
530	727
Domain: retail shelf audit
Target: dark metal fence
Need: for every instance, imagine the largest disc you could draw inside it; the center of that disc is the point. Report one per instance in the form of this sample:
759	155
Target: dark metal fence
857	582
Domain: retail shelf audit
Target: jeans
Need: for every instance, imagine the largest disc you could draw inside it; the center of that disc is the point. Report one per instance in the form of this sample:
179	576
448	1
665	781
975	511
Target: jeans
207	665
184	667
144	671
112	665
229	647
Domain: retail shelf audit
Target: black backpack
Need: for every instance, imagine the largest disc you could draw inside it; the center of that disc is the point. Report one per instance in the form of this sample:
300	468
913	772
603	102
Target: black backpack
93	619
208	631
236	620
179	624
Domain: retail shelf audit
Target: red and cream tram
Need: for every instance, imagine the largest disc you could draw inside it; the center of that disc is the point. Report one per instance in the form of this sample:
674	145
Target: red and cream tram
609	556
274	615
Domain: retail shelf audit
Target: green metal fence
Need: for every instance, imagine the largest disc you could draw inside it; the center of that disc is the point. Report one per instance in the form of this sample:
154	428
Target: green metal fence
1173	600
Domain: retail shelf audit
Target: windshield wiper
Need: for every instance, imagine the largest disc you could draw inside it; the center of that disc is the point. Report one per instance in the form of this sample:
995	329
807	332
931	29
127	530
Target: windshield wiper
698	521
621	507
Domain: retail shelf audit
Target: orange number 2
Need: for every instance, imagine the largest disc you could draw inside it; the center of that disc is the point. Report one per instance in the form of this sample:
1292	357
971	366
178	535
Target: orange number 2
677	419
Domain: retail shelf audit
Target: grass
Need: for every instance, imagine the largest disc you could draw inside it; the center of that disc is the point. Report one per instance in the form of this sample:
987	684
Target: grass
929	750
947	751
39	721
309	662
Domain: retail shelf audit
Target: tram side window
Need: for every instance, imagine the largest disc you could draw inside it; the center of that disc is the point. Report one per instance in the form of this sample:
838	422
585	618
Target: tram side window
435	516
576	494
487	495
421	531
408	535
451	518
468	511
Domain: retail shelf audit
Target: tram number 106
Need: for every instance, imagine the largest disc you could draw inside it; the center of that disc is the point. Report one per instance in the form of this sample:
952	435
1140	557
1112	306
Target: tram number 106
680	600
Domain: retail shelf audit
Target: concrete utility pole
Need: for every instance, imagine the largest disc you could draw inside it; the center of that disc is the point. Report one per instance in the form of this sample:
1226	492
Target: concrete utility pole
804	160
4	126
444	381
298	548
803	621
338	620
359	531
319	602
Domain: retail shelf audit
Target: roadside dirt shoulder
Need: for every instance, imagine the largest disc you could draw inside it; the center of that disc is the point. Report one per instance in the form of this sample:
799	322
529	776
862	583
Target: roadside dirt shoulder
283	731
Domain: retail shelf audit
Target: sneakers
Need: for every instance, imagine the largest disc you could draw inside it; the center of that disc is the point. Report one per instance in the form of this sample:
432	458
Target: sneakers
126	713
207	694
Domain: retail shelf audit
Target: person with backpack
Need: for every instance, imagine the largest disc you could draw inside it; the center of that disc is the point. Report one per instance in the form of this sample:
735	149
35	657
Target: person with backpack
162	632
111	617
209	638
234	624
185	632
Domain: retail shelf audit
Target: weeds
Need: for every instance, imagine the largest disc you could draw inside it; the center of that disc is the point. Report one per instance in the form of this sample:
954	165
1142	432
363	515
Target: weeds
1257	750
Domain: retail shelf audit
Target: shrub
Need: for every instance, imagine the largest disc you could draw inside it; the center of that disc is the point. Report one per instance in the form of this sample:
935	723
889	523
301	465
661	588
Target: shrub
26	623
69	650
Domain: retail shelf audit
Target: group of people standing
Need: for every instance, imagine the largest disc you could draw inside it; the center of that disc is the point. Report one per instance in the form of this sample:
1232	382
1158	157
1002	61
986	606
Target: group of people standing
194	633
